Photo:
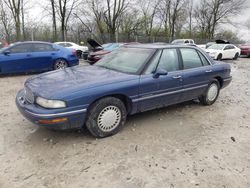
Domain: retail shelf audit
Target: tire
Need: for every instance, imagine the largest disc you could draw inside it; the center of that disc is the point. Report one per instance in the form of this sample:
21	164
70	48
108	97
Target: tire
79	54
236	56
219	57
60	64
211	93
106	117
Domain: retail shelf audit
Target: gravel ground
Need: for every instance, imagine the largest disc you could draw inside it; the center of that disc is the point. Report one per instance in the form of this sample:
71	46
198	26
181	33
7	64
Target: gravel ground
186	145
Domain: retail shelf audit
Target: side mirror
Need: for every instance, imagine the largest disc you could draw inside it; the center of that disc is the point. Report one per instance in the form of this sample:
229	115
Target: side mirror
6	52
160	72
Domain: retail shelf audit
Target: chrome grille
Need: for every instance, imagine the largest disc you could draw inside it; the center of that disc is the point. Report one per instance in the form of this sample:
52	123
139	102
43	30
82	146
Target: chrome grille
29	95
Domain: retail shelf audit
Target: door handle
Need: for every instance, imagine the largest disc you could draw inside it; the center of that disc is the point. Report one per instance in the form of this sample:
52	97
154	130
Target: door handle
177	77
28	55
209	71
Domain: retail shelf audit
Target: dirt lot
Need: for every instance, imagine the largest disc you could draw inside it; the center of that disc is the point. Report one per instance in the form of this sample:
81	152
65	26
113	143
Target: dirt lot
186	145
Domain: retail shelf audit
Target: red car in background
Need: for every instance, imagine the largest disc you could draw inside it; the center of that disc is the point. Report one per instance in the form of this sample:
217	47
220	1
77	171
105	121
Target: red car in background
3	44
245	49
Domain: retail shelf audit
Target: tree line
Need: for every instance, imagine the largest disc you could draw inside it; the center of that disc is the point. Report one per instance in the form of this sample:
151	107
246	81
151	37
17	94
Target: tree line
112	20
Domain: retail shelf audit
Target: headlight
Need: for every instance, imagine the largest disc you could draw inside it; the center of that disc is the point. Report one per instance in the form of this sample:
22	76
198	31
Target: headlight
50	103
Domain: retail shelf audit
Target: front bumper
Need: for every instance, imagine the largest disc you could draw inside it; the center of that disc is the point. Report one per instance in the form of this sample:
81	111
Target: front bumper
34	113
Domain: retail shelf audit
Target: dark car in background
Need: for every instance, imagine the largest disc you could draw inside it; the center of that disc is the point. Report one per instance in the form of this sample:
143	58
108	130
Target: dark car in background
22	57
93	57
218	41
129	80
94	46
245	49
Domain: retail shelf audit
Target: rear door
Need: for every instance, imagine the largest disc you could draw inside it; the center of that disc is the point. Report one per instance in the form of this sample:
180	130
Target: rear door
18	60
43	55
165	89
195	73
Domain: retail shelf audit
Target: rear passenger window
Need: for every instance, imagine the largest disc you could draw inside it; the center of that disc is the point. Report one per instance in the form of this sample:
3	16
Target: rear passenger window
203	59
169	60
42	48
190	58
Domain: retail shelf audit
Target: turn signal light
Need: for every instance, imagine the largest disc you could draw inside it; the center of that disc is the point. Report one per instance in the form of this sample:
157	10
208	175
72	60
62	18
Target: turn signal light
51	121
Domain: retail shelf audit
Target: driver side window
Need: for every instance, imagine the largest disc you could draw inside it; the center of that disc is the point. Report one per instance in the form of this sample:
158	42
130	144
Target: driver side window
169	60
22	48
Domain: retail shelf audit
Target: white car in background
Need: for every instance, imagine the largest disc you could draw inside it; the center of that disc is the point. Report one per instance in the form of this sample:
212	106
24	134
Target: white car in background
184	41
223	51
79	49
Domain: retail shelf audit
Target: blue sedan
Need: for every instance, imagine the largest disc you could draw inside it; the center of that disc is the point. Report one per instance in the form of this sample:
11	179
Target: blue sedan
129	80
24	57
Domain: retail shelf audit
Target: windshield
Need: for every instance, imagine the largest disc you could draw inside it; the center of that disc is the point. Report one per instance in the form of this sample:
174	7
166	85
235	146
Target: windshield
217	47
127	60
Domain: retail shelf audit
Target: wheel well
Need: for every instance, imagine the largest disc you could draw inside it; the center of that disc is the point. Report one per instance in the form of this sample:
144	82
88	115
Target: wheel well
126	101
59	59
220	80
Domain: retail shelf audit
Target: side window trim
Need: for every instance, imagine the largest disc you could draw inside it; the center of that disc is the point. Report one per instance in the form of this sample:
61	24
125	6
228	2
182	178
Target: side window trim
151	61
178	59
18	45
200	54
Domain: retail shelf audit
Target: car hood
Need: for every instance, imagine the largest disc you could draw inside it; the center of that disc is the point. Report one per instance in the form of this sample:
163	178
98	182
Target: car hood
61	83
94	44
102	52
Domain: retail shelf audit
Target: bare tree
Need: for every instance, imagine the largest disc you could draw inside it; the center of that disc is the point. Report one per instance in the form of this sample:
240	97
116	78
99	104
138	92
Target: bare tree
53	13
6	21
212	12
65	8
114	10
15	8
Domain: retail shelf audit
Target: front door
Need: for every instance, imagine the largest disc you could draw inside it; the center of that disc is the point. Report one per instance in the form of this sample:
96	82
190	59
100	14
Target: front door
162	90
18	59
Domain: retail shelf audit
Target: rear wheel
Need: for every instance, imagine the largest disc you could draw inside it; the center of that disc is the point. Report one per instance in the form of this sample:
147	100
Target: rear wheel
79	54
211	94
236	56
106	117
219	57
60	64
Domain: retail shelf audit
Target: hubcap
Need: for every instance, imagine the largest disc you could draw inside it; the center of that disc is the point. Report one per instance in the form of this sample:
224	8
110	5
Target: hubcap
109	118
212	92
61	64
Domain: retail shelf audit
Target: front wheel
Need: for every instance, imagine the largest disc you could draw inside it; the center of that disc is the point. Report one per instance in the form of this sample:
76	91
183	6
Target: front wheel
219	57
211	94
236	56
60	64
106	117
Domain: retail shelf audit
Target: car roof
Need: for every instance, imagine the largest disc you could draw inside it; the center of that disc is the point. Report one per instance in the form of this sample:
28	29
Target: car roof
157	46
32	42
